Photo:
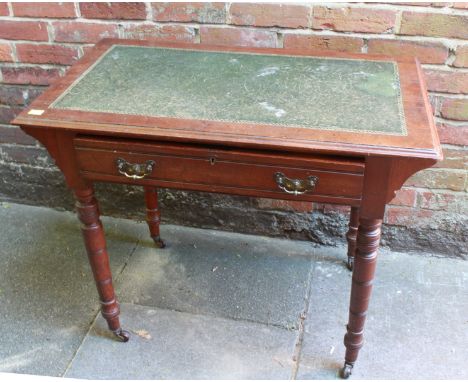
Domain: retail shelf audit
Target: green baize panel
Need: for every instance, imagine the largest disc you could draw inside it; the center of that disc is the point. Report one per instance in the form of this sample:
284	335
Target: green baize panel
290	91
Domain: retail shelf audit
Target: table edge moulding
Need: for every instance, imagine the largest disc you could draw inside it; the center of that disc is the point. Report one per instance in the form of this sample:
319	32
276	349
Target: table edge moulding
362	169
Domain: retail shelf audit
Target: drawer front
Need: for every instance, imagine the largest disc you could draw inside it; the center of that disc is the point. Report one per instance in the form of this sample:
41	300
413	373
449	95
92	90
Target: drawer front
207	169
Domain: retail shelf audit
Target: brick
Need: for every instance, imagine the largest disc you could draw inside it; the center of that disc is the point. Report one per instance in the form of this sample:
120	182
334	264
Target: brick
32	94
237	36
454	108
461	57
30	75
427	53
6	54
160	32
4	11
207	13
446	81
404	197
421	4
434	24
284	205
335	209
453	134
13	134
344	19
435	102
30	155
17	95
46	54
270	15
83	32
439	178
46	10
115	11
319	42
87	49
460	5
445	201
12	95
23	30
454	158
408	217
8	113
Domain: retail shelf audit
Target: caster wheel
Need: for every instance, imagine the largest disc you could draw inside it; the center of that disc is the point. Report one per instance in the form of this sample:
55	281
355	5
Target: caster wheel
122	335
350	263
346	371
158	242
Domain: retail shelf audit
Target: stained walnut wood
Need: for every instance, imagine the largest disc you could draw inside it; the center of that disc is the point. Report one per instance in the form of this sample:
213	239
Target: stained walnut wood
351	235
95	242
358	169
153	215
421	141
363	276
226	171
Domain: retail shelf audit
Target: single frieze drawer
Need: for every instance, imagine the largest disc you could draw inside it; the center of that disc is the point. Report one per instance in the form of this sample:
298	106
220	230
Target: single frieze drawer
201	168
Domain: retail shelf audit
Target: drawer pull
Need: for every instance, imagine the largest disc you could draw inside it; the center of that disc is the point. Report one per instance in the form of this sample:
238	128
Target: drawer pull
295	186
134	171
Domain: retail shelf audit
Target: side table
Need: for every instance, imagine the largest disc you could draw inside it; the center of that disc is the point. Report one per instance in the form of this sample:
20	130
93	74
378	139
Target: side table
274	123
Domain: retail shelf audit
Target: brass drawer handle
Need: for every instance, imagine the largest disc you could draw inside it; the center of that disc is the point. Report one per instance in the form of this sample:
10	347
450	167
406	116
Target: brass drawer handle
295	186
135	171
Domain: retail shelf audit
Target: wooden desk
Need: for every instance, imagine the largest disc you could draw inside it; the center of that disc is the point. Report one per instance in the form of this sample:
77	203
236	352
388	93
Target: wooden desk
273	123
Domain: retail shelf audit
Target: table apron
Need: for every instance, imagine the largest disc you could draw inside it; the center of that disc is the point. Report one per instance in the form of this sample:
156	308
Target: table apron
95	177
278	176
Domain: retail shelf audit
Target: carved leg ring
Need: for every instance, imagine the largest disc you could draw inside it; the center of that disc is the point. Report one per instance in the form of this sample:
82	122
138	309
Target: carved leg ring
93	234
351	236
364	268
153	215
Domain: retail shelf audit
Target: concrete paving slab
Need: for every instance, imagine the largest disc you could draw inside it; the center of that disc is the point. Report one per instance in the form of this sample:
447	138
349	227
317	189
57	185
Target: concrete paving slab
175	345
48	298
417	324
223	274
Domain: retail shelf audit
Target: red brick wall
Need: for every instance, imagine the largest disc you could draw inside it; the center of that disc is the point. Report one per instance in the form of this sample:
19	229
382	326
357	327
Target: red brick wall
38	41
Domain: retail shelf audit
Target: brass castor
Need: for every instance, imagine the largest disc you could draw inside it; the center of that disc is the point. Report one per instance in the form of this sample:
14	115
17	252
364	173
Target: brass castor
346	371
122	335
350	263
158	242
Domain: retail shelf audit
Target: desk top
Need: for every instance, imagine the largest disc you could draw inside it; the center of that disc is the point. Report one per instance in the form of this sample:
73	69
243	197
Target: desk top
275	98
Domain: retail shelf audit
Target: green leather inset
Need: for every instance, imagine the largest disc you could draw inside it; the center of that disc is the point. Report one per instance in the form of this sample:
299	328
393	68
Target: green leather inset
307	92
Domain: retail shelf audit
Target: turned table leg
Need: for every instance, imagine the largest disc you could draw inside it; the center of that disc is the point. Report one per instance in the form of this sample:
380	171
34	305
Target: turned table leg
95	242
351	236
368	238
153	215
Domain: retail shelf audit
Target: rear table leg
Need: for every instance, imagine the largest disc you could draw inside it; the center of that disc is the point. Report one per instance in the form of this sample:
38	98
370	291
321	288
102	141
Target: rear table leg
153	215
351	236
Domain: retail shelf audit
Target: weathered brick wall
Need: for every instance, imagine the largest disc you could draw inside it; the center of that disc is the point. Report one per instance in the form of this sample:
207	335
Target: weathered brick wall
38	42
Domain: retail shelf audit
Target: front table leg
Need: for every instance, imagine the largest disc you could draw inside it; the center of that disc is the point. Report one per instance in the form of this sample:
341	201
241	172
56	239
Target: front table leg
364	268
95	242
